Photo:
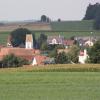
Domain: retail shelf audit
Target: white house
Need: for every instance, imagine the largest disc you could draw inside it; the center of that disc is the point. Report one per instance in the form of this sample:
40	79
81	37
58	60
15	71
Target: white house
83	56
89	43
29	41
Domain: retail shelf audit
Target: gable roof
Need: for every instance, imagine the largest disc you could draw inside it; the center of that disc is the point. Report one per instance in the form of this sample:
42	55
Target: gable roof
59	39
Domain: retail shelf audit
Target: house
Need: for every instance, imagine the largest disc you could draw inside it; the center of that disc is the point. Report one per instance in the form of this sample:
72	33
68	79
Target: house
68	43
29	41
86	40
83	56
89	43
38	60
54	40
9	44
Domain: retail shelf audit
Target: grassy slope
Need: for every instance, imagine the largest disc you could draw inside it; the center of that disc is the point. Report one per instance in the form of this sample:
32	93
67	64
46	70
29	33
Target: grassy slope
72	25
49	85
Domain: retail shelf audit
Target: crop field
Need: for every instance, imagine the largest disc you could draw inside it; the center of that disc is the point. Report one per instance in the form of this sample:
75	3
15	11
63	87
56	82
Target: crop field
26	84
85	25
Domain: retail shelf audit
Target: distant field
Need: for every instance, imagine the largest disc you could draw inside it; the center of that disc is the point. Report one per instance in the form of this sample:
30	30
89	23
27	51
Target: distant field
73	26
21	84
3	37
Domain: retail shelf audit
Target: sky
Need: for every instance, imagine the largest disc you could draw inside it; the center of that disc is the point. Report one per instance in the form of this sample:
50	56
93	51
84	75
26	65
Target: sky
14	10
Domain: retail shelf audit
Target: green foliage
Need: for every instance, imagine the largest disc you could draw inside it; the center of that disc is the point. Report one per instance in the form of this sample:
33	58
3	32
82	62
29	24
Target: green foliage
43	18
19	36
93	13
73	53
61	58
42	40
94	53
53	52
13	61
97	22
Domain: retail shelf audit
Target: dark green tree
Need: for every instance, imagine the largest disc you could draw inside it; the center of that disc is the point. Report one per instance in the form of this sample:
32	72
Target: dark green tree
92	11
97	21
13	61
73	54
94	53
43	18
19	36
62	58
42	40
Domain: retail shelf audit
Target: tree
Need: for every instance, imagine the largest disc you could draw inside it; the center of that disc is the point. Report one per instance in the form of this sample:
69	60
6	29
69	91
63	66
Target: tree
19	36
93	13
59	20
73	53
13	61
42	40
94	53
97	22
61	58
43	18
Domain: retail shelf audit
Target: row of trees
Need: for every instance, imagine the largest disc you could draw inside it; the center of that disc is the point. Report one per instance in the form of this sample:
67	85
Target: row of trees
93	13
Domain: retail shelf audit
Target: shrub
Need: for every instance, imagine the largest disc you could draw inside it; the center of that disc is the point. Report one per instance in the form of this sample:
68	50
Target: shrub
13	61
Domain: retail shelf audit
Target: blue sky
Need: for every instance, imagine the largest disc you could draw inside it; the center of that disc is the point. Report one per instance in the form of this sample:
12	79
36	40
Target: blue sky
33	9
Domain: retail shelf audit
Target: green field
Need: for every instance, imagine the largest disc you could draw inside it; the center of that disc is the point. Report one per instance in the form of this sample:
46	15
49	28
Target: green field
85	25
27	85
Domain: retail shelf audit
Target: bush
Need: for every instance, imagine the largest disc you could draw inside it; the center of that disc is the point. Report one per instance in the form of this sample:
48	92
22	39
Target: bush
13	61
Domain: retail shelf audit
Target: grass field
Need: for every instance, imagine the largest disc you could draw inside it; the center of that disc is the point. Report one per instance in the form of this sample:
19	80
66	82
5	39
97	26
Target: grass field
25	84
50	86
85	25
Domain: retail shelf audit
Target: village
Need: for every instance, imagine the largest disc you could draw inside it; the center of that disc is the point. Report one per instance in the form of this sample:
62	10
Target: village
41	57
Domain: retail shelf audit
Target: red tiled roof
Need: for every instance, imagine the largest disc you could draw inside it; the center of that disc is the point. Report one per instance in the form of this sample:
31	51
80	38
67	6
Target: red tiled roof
21	52
40	59
69	42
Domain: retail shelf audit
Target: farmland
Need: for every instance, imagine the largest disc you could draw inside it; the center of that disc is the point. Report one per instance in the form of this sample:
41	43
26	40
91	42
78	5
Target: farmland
26	84
64	28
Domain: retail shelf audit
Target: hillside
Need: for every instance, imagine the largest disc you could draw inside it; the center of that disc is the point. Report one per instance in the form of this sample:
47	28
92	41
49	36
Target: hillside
72	26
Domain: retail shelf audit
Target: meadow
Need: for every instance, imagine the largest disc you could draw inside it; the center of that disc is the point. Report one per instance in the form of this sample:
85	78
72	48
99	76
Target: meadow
32	83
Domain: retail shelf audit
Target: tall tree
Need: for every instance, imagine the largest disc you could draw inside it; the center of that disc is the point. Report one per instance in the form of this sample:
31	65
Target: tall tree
41	40
43	18
94	53
61	58
18	36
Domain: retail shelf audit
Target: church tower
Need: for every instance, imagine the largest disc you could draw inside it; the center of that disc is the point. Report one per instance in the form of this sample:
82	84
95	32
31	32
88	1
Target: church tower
29	41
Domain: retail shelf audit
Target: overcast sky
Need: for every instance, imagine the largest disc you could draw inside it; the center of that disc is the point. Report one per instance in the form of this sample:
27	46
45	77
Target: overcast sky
33	9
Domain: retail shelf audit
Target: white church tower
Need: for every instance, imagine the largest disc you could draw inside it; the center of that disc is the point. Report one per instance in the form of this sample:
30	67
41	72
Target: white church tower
29	41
